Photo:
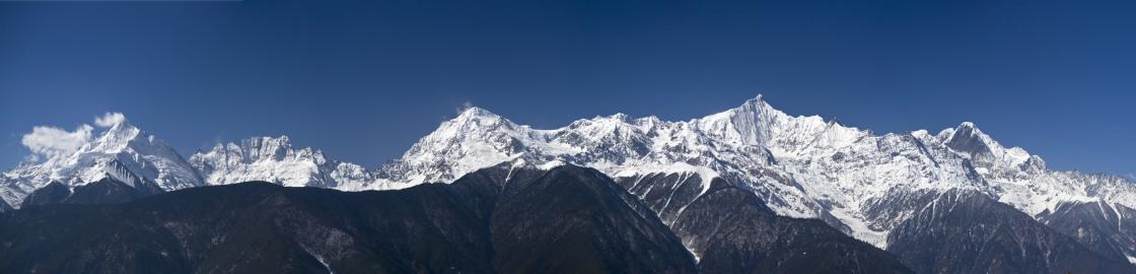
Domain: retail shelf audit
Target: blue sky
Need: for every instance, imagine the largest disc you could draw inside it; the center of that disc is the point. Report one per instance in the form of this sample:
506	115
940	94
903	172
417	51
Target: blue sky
362	80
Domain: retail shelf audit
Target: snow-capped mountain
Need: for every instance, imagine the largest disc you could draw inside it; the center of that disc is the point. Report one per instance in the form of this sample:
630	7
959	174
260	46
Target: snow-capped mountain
131	155
120	150
862	183
274	159
803	166
477	138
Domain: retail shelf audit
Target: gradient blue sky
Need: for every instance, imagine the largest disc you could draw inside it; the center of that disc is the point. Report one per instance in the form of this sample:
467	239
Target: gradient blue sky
362	80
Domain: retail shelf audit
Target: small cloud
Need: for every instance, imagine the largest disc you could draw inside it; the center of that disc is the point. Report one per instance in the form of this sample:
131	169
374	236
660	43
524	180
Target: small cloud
464	106
110	119
462	109
52	141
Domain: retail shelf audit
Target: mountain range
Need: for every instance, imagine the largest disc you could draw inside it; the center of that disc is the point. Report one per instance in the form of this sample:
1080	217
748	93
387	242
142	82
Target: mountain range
951	201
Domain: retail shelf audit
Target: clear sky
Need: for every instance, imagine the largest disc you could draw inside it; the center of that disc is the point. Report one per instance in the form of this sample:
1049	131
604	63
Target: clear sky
362	80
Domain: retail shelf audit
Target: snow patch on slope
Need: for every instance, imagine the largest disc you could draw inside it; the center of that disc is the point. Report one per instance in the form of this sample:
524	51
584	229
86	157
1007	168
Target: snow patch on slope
706	174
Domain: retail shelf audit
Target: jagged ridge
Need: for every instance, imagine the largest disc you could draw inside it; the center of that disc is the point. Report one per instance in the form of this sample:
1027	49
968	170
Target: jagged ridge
801	166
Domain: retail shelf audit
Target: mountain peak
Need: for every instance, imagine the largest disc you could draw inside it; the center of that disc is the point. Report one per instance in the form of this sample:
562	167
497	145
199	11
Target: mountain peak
282	138
282	141
967	125
758	102
116	145
273	159
757	106
474	117
749	123
759	99
475	111
968	130
969	139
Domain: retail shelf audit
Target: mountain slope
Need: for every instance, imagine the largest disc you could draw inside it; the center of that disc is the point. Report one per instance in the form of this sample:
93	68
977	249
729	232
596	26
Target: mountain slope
801	166
104	191
732	231
1103	227
250	228
861	183
563	222
121	150
260	227
967	232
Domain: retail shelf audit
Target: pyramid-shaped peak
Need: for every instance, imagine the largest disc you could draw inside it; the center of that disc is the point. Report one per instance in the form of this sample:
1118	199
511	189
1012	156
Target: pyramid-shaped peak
475	111
749	123
759	99
479	117
968	138
471	120
758	104
755	103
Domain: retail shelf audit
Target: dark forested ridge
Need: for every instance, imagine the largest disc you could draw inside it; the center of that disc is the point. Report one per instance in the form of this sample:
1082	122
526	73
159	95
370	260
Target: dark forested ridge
497	220
259	227
507	219
968	232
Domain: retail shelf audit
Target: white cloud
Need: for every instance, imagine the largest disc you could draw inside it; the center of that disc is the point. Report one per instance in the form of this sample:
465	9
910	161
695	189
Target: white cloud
464	106
110	119
52	141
